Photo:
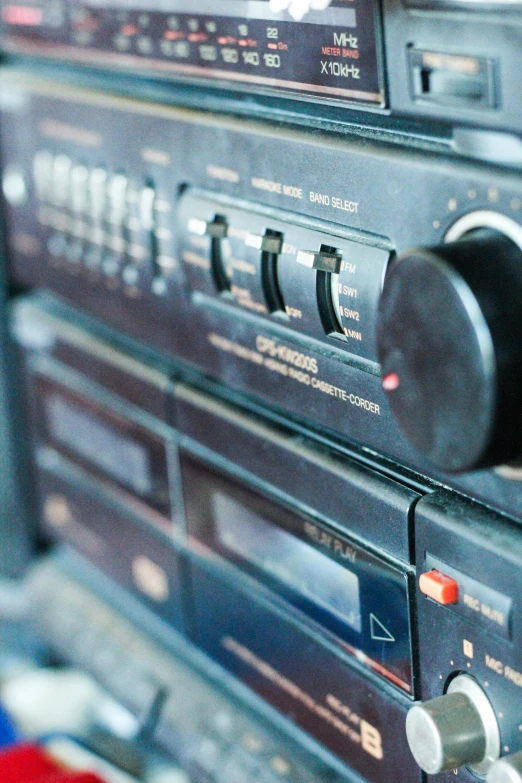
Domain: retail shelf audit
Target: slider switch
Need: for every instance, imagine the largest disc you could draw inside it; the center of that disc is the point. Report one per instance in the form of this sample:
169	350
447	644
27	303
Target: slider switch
322	260
271	242
216	228
271	246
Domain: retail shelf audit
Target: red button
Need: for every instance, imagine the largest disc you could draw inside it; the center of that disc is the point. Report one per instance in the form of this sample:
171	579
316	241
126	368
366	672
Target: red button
439	587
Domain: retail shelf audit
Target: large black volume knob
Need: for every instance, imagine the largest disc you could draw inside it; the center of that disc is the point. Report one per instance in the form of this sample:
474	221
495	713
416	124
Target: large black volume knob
450	346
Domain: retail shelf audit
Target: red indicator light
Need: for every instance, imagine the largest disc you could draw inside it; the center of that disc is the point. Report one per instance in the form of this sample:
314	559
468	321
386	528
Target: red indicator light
391	382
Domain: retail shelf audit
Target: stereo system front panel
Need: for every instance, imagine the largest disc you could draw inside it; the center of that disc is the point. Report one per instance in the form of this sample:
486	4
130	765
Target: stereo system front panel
258	257
274	373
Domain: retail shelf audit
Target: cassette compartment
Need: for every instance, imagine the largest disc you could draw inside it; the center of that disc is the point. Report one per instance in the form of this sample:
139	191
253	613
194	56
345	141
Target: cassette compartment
256	507
74	510
301	677
128	458
357	601
104	457
351	498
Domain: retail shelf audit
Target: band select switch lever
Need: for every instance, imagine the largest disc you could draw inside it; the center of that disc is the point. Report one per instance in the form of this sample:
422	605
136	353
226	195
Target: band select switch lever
321	260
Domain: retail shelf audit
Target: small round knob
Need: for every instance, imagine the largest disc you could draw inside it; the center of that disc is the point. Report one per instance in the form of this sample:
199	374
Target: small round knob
450	346
454	730
506	770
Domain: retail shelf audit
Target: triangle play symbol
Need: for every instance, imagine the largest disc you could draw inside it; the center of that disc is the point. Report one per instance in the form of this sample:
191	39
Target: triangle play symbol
379	631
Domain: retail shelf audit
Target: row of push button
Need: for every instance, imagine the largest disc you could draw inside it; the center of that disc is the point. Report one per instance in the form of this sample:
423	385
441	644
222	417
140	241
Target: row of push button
100	219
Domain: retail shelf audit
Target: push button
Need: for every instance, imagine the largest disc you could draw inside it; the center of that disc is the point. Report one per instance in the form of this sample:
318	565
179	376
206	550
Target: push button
79	189
476	601
117	195
439	587
97	194
43	163
62	180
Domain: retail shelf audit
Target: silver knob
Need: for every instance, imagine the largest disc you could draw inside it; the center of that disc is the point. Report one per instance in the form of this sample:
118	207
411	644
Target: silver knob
454	730
506	770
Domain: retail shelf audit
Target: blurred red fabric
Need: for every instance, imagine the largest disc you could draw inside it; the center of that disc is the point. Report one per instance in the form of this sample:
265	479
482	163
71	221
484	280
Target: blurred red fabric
31	764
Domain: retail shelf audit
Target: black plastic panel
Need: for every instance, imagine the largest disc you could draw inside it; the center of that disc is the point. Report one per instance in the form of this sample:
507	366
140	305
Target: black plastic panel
484	553
356	720
358	500
328	193
332	55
